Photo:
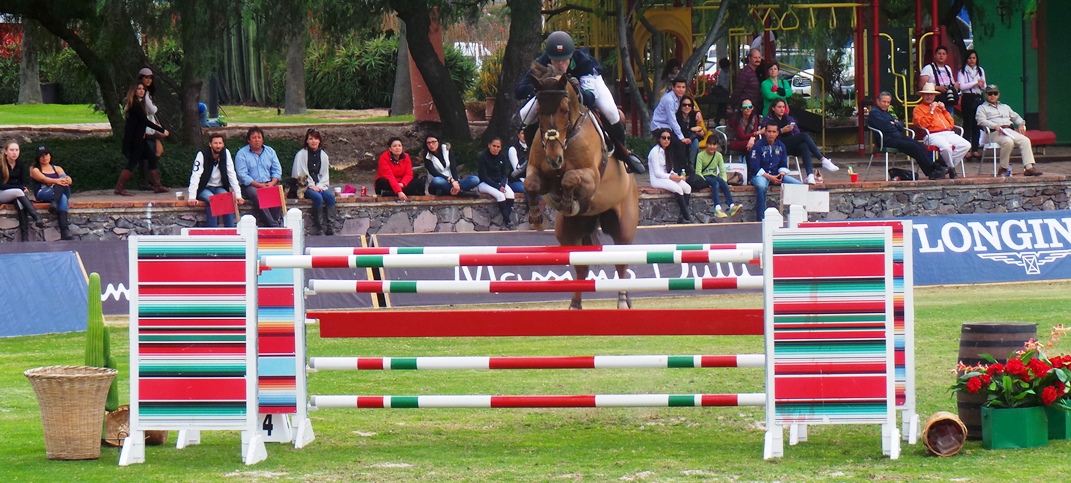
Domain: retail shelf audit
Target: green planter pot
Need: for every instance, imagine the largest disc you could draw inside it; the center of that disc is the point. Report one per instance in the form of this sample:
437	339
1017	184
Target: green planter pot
1059	423
1014	427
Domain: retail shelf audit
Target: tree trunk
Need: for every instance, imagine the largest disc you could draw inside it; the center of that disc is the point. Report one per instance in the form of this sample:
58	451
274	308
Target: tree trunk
626	67
401	102
29	78
417	18
699	56
294	102
521	47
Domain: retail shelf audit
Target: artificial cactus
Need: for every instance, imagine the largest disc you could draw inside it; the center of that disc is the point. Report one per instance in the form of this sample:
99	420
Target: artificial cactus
98	348
112	403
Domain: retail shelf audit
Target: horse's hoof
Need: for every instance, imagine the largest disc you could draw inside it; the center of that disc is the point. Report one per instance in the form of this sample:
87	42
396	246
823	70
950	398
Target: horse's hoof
574	209
575	306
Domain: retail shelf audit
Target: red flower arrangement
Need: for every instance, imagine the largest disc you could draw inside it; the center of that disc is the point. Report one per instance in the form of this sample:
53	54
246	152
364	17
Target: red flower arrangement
1028	378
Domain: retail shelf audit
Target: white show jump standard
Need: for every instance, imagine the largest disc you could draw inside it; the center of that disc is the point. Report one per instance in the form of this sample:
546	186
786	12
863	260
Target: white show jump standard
319	286
484	250
548	401
450	260
546	362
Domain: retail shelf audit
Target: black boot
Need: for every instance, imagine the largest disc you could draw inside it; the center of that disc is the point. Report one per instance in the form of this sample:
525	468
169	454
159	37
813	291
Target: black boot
24	223
617	135
682	203
53	206
64	225
506	208
329	217
316	213
27	206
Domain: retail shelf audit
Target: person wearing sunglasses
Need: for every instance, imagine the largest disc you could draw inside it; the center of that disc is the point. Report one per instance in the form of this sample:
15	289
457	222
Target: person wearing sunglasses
692	126
1007	128
767	164
745	127
663	177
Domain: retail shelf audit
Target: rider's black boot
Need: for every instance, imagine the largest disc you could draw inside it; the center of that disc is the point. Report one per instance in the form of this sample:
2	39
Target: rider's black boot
617	135
530	132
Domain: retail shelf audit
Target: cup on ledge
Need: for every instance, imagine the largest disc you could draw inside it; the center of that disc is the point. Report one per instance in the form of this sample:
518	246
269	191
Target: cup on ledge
855	177
180	195
338	191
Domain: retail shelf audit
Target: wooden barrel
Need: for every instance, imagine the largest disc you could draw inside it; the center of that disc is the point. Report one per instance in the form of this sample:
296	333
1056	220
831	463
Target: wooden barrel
944	434
998	339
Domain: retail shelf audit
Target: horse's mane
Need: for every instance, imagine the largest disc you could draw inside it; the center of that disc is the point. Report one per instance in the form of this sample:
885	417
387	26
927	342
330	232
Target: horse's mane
550	87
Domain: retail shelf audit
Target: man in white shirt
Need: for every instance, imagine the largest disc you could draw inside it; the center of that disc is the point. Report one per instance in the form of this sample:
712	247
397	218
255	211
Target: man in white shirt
1007	129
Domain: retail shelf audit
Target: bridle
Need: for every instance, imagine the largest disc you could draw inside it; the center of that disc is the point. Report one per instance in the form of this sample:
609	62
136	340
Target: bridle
573	125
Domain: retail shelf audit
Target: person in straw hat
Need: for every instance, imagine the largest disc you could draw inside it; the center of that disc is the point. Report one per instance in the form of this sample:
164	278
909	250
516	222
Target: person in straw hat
934	117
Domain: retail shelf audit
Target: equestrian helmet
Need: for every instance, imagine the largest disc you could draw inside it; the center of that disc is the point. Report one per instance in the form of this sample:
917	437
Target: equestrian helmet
559	46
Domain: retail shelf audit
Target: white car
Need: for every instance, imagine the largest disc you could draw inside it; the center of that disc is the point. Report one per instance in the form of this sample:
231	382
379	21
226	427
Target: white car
801	83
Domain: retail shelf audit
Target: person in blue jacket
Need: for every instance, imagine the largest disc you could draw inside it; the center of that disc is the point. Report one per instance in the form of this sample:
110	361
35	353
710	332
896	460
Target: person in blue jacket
767	164
562	56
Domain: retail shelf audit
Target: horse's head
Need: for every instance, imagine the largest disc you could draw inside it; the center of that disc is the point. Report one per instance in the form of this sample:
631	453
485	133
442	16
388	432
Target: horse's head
558	109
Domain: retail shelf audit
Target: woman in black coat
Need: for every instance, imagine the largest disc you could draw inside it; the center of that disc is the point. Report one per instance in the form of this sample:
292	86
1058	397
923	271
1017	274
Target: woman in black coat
494	169
134	144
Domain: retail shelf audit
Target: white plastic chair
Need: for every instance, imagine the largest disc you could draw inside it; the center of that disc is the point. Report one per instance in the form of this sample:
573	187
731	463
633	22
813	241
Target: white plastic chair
877	140
989	144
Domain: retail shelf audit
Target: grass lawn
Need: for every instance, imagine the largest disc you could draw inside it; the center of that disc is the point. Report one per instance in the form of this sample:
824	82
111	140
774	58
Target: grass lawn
37	114
649	444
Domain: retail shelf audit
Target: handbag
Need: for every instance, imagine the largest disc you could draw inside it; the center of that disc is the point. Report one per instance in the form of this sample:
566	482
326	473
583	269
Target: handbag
45	194
696	182
159	148
900	174
734	178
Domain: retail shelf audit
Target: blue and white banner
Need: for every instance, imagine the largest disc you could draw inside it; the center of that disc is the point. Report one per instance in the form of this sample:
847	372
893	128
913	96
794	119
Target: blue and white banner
992	247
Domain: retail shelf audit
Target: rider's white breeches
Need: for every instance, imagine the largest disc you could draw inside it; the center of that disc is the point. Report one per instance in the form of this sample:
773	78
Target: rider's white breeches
604	101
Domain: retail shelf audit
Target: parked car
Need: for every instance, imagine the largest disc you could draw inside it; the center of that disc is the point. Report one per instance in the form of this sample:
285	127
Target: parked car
801	83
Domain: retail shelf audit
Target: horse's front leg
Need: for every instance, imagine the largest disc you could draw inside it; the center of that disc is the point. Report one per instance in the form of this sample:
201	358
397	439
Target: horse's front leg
581	272
623	302
533	187
578	185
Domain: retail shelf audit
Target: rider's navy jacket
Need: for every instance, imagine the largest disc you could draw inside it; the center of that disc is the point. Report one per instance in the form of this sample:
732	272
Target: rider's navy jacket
581	65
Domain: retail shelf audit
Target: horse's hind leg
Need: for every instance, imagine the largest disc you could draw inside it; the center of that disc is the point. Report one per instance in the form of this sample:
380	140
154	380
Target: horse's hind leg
581	274
623	301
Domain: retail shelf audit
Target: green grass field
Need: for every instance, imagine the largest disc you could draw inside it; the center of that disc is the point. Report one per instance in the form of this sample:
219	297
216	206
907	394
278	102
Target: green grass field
42	114
671	444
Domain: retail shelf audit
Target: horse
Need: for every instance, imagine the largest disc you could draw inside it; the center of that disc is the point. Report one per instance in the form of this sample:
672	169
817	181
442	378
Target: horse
569	165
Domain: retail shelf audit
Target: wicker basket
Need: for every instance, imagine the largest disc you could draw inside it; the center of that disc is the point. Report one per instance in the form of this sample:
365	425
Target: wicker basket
72	408
117	428
944	434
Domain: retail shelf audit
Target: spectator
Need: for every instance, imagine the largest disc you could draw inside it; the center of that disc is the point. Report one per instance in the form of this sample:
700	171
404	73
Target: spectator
153	139
692	125
494	169
518	160
665	117
13	190
892	133
214	173
671	71
940	75
932	115
395	174
711	166
444	171
798	143
257	166
971	79
663	177
745	126
52	185
135	147
747	81
774	87
721	92
767	164
1007	129
312	161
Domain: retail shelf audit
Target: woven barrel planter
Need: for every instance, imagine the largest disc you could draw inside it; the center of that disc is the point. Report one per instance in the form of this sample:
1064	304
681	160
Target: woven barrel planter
944	434
998	339
117	428
72	408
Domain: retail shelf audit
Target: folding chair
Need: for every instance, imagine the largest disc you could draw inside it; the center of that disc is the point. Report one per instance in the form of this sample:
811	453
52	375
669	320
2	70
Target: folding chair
877	140
989	145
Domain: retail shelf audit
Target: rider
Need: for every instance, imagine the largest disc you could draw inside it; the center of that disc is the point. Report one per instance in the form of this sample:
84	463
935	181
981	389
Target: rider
563	57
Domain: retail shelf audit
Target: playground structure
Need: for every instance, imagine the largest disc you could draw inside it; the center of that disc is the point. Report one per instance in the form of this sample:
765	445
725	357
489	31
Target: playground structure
837	321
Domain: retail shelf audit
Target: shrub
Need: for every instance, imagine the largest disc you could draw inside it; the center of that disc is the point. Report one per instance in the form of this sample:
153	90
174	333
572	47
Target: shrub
9	77
487	81
76	84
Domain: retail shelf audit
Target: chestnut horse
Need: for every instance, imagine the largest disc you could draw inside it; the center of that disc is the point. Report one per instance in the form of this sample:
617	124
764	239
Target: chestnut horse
568	165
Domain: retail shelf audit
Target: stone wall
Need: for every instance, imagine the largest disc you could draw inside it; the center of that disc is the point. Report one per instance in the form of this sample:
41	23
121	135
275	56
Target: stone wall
107	221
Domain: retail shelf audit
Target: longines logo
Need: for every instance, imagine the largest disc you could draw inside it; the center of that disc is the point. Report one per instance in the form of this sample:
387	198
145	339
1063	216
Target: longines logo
1028	243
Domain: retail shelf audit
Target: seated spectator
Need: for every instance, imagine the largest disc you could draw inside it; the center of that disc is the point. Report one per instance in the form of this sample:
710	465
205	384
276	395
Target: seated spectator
692	125
518	160
257	166
13	190
665	116
931	115
774	87
711	166
1007	129
798	143
214	173
52	185
444	170
663	177
767	164
494	169
312	162
892	133
394	176
744	127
